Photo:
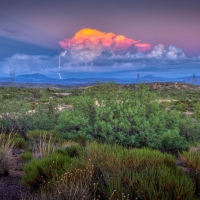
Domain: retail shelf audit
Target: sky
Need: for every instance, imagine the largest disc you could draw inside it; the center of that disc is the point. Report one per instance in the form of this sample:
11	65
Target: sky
102	38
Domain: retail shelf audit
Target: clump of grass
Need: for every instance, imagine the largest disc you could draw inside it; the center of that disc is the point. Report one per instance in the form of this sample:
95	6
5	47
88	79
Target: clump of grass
44	146
20	143
39	172
72	185
61	151
65	143
191	161
27	156
73	150
81	140
6	147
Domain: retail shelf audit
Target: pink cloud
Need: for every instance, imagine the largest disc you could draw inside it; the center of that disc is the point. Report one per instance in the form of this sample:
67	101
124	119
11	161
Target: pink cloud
92	42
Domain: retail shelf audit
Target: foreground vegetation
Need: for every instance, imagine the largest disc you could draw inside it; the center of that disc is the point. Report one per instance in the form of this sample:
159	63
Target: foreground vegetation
103	142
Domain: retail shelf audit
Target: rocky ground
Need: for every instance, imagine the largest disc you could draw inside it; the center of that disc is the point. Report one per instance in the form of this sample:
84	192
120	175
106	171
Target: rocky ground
10	188
10	185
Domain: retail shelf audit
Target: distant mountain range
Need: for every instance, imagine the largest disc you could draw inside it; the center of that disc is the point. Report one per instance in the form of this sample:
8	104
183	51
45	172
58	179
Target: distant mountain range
42	79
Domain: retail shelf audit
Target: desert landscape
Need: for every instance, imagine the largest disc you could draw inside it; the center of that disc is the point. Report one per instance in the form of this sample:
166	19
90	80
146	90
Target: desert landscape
99	100
100	142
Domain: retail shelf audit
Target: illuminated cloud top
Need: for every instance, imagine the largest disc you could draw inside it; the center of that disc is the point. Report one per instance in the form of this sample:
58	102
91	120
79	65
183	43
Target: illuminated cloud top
88	43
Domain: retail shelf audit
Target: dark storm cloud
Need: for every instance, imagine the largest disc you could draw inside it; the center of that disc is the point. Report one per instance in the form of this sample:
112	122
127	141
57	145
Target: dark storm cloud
9	47
22	63
104	59
158	56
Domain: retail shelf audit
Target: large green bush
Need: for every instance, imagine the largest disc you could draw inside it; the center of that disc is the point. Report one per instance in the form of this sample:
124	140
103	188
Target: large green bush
127	117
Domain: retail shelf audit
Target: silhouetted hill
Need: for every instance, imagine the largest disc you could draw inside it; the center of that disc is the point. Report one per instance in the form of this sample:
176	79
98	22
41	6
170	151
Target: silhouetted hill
36	76
42	79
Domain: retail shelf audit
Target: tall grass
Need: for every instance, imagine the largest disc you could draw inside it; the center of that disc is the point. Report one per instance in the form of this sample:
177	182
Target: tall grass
43	146
6	147
191	161
72	185
195	148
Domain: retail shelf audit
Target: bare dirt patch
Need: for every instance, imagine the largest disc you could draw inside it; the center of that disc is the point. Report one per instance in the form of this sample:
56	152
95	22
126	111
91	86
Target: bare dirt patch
10	185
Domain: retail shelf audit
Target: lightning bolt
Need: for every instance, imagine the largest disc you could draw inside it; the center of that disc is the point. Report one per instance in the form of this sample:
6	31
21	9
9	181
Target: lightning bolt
59	58
63	53
59	61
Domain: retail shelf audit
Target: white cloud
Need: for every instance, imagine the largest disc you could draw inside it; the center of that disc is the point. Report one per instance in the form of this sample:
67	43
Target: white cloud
174	52
158	59
158	52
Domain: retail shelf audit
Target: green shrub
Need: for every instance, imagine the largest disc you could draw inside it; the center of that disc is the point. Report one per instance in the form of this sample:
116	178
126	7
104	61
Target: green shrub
163	183
126	117
42	120
133	158
173	142
20	143
73	185
27	156
133	172
189	128
48	169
